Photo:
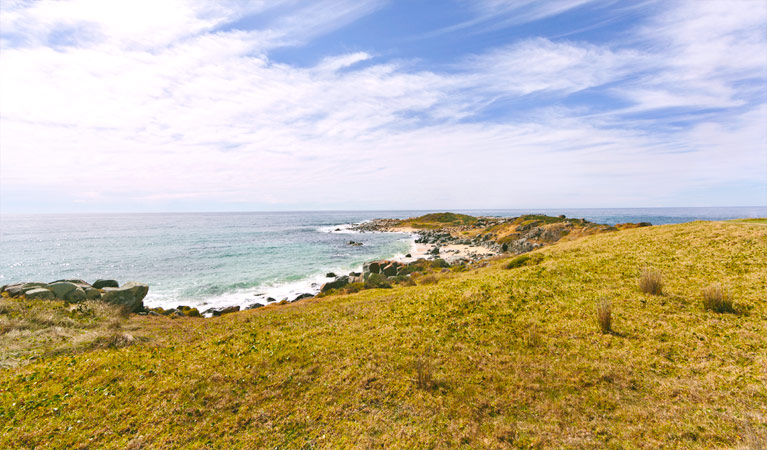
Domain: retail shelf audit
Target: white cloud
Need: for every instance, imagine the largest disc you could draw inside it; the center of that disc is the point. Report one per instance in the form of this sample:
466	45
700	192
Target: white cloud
202	113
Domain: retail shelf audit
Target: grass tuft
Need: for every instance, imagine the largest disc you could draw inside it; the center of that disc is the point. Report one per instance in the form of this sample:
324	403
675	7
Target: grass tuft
651	281
604	316
423	370
718	299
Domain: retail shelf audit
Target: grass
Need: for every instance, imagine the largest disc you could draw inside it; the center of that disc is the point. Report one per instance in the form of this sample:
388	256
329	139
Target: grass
508	359
759	220
439	220
604	316
651	281
718	299
34	329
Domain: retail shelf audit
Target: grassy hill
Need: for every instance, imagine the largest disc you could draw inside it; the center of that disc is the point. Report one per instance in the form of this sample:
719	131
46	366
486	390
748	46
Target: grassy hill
488	358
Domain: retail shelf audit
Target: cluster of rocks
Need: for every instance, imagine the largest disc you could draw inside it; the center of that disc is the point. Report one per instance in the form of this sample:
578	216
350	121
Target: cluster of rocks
383	269
130	295
376	225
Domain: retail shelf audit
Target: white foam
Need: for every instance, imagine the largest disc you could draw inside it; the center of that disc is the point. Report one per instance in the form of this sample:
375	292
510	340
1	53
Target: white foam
277	291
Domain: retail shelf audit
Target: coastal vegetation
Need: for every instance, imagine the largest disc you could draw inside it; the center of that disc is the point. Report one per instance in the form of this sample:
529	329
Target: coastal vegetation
564	349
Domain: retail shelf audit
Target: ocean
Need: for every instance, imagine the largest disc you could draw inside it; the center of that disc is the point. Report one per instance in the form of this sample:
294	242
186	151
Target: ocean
222	259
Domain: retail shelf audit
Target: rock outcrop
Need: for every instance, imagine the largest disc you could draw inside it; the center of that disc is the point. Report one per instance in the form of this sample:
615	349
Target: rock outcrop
130	295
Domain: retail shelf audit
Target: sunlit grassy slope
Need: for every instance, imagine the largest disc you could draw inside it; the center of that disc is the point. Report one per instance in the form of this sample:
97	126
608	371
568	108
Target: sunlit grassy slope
490	358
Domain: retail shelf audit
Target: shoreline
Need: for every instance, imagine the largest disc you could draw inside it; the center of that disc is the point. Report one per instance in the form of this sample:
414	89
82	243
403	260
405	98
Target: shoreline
311	285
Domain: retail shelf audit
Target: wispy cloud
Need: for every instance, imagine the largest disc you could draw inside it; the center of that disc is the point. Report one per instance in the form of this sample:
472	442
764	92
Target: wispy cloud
202	111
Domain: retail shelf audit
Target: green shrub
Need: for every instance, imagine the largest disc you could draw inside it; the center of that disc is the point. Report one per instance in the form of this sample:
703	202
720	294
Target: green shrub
519	261
377	281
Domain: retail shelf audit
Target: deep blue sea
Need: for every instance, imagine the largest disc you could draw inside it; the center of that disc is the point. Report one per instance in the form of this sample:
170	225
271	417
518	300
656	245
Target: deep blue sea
221	259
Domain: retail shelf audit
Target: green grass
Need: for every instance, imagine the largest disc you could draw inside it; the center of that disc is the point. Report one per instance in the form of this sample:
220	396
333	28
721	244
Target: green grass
761	220
439	220
487	358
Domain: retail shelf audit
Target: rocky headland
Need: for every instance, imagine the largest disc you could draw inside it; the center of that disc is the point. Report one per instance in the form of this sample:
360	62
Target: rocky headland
443	242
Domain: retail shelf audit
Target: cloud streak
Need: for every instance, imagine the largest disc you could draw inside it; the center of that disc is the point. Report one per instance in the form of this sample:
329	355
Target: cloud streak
118	118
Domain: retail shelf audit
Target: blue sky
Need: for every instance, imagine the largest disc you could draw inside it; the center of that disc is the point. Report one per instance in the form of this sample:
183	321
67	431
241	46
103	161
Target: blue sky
371	104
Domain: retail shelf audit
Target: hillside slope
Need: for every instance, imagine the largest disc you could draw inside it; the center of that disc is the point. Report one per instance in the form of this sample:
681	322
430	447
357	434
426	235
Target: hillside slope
490	358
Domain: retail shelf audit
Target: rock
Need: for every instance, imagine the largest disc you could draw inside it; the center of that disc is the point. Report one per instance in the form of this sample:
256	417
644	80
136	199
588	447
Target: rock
92	293
131	295
77	282
408	255
14	290
153	313
62	288
434	251
330	275
101	284
303	296
39	294
76	296
338	283
390	270
372	267
215	312
188	311
270	299
355	244
29	286
254	306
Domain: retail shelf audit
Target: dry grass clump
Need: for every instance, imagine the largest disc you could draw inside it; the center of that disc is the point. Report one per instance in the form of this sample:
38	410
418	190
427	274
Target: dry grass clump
718	299
423	369
651	281
428	279
604	316
114	340
33	328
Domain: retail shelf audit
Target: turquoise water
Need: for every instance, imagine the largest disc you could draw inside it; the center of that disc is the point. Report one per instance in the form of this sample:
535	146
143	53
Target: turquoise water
219	259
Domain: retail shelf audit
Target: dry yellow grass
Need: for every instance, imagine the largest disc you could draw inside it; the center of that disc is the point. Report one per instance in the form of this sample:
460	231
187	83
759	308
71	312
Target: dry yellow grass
508	359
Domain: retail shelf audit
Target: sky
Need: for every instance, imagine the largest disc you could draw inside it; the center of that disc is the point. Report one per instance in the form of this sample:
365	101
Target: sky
185	105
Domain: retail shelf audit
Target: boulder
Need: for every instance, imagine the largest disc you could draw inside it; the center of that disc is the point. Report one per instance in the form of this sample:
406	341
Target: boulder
62	288
76	296
101	284
14	290
254	306
80	283
29	286
215	312
330	275
390	270
92	293
336	284
40	294
188	311
303	296
372	267
131	295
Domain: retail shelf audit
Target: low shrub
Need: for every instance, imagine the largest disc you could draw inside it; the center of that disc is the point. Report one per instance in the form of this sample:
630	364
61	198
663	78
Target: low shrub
377	281
428	279
519	261
651	281
352	288
718	299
